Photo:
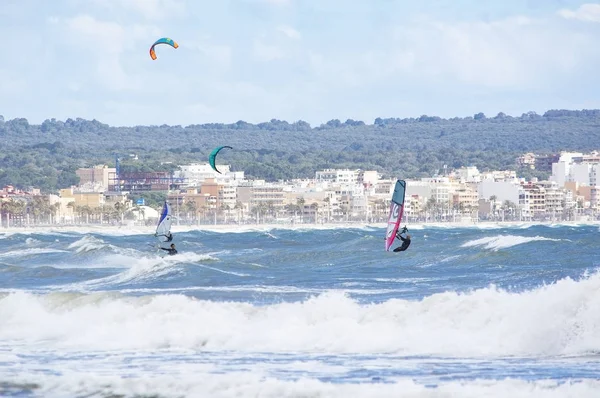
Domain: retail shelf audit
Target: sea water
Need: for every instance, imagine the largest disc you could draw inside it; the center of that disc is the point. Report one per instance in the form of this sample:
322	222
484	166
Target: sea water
464	312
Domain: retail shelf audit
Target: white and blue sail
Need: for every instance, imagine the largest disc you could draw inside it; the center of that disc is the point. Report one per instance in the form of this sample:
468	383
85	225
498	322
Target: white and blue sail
163	228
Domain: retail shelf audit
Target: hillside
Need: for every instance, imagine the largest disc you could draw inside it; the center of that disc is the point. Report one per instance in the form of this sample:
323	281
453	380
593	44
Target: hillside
46	155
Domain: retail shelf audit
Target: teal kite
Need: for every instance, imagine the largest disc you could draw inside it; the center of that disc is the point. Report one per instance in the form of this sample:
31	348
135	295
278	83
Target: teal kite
213	156
164	40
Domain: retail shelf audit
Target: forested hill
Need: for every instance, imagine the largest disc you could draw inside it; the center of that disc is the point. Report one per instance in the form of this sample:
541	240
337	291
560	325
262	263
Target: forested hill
46	155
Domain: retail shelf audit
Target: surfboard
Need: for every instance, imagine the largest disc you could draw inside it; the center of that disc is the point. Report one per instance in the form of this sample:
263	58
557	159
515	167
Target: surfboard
396	212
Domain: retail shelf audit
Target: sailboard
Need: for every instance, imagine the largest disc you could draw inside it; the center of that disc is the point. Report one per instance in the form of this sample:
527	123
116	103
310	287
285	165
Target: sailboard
163	227
396	211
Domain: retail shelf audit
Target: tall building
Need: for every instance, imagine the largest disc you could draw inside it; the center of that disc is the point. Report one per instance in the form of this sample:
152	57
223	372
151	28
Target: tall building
95	178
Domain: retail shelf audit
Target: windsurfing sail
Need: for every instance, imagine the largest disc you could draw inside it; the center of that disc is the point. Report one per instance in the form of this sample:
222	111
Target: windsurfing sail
396	211
163	229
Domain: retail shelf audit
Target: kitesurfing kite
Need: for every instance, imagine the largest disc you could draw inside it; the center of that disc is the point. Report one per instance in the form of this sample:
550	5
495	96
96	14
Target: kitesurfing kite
164	40
213	156
396	211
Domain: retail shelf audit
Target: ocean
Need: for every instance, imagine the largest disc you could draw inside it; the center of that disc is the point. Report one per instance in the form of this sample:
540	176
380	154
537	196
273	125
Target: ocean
501	311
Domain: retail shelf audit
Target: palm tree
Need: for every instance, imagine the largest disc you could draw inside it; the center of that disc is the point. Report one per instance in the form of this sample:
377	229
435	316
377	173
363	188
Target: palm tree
460	208
85	211
493	203
271	211
203	209
315	207
224	210
71	206
240	209
300	203
14	210
510	207
328	201
345	208
40	208
381	207
190	207
431	206
120	211
259	209
56	211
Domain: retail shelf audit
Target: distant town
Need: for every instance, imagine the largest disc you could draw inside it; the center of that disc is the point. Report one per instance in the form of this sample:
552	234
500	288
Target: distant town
199	196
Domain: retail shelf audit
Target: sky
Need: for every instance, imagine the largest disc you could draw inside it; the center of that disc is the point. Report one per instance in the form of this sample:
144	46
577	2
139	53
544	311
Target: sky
311	60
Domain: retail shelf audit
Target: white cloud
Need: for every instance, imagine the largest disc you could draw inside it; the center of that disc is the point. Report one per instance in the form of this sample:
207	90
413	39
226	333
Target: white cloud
150	9
110	36
277	2
113	37
231	65
268	52
11	86
586	12
200	110
290	32
219	54
513	53
108	42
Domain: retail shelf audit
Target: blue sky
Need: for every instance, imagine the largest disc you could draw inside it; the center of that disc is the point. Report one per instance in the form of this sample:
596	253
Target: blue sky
311	60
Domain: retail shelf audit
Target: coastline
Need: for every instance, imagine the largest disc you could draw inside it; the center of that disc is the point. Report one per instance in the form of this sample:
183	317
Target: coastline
229	228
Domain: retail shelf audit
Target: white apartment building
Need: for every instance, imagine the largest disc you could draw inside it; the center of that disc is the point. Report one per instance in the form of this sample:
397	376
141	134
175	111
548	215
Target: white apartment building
585	173
468	174
554	197
368	177
227	195
385	187
267	194
466	197
196	173
500	175
340	176
502	190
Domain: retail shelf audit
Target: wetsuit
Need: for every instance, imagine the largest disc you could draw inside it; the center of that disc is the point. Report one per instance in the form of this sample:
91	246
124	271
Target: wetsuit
171	251
405	244
169	237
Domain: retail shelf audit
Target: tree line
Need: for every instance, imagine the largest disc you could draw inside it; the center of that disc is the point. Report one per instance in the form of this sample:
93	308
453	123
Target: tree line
47	155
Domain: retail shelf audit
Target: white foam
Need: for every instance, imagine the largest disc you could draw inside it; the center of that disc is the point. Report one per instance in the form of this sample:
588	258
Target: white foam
222	270
30	252
558	319
88	243
140	268
277	289
256	384
31	241
505	241
149	230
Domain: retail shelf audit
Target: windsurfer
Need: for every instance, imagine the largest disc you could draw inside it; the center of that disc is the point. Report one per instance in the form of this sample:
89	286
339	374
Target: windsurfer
405	241
172	251
169	236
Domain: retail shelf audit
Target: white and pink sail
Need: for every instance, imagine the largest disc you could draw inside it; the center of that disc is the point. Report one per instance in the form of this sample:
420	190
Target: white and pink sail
396	211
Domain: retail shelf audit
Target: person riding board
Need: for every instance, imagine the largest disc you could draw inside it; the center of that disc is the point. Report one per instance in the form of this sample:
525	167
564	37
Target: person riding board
405	241
172	251
169	236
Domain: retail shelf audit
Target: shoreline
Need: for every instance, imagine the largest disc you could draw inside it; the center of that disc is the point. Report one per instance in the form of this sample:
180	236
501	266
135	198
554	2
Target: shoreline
132	230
